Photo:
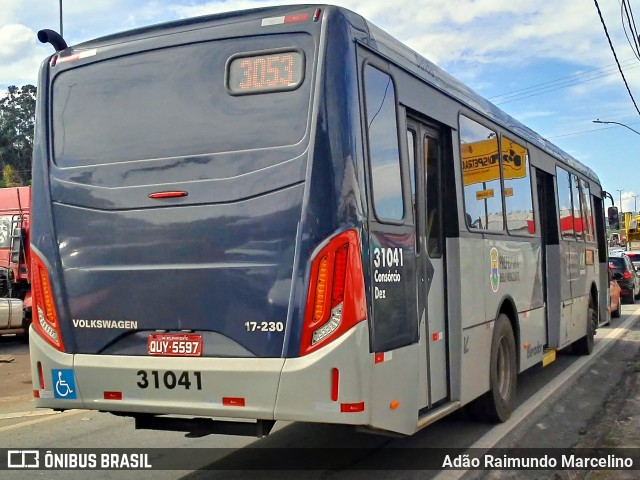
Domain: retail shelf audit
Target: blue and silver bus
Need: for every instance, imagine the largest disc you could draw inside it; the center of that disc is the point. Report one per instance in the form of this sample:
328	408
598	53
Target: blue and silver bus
286	214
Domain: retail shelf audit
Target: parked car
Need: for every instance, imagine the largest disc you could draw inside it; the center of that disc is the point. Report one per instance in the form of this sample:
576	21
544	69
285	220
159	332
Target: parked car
614	297
625	274
634	256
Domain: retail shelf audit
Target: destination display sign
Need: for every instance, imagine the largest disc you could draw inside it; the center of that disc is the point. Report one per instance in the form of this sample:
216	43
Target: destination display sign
250	73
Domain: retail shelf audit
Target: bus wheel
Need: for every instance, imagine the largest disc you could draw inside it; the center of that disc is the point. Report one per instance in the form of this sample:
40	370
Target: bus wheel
497	404
584	346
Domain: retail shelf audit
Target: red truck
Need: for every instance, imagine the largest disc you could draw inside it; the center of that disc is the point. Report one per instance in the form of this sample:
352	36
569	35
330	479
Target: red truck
15	280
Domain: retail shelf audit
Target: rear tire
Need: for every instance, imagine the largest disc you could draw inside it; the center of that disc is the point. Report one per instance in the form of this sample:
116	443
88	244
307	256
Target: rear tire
496	405
631	298
584	346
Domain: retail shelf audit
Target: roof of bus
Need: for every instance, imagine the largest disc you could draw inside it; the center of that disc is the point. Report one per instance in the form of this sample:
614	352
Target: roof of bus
420	66
388	46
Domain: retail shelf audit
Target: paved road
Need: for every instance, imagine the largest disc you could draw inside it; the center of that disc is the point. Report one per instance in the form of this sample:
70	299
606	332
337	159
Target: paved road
83	429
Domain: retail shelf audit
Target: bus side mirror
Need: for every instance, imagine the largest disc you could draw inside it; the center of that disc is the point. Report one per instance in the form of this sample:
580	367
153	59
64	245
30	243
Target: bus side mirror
614	220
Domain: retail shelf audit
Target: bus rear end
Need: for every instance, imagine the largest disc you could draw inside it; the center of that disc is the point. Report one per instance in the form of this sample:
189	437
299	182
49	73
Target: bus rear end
175	238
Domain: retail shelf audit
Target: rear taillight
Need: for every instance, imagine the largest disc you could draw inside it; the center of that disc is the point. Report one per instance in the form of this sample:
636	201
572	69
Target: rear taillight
45	317
335	300
626	275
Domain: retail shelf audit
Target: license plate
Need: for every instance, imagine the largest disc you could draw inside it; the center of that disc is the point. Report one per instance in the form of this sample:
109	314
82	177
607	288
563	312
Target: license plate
174	345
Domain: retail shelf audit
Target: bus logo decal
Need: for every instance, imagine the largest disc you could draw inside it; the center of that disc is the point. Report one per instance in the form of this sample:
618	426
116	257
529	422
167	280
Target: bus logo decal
495	269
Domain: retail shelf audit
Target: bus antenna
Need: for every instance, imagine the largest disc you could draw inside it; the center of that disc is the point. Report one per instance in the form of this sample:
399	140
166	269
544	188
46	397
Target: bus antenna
52	37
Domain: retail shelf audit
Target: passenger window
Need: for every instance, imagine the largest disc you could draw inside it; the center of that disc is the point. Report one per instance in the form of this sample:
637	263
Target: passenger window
565	207
480	176
587	216
434	196
577	208
384	154
517	188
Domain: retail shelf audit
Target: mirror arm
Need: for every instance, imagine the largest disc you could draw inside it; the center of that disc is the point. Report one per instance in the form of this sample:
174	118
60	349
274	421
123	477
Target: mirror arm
608	195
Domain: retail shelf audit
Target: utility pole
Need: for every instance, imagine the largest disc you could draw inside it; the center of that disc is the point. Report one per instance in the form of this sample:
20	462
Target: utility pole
61	32
620	192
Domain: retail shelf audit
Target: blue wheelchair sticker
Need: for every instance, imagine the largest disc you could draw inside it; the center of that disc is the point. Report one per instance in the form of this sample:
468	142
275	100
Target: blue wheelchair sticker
64	384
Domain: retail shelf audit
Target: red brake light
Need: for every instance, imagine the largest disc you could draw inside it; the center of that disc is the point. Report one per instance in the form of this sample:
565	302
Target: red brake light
626	275
45	320
336	299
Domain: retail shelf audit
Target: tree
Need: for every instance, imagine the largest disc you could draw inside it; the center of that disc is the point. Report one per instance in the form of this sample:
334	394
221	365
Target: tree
17	121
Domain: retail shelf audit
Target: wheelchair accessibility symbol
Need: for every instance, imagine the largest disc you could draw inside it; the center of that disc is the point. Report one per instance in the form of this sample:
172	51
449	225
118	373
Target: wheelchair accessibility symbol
64	385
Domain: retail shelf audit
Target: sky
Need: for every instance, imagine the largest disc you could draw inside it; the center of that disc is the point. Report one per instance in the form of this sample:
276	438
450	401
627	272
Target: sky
548	64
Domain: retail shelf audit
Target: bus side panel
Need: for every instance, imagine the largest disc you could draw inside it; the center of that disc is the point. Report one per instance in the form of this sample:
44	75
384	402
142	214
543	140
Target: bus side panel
476	355
554	303
329	385
472	275
533	335
394	379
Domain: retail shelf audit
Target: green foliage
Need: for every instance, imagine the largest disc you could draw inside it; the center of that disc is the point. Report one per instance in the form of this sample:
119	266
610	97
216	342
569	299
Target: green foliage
17	121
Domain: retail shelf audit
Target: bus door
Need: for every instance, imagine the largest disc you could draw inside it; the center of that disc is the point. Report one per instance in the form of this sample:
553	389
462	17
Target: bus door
551	258
425	155
393	320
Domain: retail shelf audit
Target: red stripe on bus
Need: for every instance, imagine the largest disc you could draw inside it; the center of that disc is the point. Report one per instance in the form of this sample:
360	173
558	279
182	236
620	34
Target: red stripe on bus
168	194
335	381
233	402
298	17
352	407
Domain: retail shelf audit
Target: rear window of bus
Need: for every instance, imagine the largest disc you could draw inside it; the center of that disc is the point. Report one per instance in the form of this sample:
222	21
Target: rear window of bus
177	101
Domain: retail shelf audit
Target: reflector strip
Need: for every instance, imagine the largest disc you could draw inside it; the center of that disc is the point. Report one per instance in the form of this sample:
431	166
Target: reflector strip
113	395
352	407
335	381
296	18
299	17
316	15
382	357
40	376
168	194
232	402
272	21
36	394
77	56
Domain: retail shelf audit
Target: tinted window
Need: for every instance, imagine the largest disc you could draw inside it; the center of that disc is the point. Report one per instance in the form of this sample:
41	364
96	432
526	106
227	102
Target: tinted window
577	208
587	215
173	102
617	262
480	175
565	206
434	196
384	154
517	188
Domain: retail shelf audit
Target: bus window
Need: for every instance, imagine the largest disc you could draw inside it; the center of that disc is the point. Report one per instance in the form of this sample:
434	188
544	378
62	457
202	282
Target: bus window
517	188
577	208
434	195
384	153
587	216
481	176
564	204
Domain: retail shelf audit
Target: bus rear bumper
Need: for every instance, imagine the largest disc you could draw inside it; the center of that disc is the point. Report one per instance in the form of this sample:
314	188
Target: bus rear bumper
329	385
226	387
